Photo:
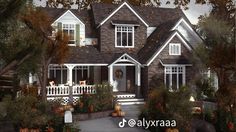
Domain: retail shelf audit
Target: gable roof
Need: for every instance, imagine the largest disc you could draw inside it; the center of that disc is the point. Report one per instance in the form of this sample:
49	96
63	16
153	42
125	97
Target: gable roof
154	16
117	9
69	11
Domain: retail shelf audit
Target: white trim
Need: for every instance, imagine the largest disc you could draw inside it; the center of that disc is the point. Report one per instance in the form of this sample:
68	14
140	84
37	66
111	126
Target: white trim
189	27
125	54
130	25
68	11
81	64
124	4
166	43
125	64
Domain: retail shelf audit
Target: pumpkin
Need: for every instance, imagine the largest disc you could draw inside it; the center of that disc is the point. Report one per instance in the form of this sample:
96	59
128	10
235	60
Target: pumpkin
172	130
34	130
24	130
114	114
122	113
117	107
91	108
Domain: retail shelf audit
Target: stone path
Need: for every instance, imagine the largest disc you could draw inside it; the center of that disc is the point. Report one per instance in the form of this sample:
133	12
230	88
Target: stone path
110	124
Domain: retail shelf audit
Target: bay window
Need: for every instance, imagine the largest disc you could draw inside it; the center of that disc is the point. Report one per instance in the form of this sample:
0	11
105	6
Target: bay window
174	77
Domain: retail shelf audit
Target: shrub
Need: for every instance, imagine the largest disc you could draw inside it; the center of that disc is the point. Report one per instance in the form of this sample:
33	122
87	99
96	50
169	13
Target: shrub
162	104
100	101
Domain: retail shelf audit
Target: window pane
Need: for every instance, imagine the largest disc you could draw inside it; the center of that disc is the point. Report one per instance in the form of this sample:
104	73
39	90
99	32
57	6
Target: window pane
71	34
174	81
118	38
130	39
124	39
168	80
180	80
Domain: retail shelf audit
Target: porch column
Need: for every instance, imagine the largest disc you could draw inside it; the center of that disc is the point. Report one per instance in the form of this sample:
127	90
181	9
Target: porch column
138	80
30	79
110	75
69	74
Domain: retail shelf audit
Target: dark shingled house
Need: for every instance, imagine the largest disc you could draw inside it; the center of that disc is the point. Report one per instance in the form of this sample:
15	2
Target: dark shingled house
128	46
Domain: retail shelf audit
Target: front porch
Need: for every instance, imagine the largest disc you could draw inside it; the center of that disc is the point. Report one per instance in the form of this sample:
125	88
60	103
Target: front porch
70	81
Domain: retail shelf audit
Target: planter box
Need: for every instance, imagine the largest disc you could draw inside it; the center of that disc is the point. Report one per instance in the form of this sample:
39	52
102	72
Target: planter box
89	116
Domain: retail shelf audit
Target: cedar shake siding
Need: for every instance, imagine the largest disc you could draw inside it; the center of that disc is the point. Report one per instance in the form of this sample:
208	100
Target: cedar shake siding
107	33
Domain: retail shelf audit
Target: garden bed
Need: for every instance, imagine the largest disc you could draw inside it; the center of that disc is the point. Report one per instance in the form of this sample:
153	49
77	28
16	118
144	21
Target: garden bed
89	116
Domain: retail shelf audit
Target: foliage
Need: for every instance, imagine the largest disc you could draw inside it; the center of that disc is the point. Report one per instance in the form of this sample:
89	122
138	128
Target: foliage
29	112
162	104
100	101
205	88
51	46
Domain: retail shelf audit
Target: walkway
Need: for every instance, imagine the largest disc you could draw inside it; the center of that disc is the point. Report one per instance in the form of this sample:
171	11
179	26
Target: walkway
110	124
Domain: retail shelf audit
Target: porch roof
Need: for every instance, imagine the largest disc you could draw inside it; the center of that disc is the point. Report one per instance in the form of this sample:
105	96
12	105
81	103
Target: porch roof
181	61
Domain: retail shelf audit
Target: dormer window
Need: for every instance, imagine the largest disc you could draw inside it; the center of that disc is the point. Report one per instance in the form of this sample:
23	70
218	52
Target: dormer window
124	36
174	49
69	29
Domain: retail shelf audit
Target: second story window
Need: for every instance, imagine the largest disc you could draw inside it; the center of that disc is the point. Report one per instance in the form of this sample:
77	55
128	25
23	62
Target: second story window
69	29
174	49
124	36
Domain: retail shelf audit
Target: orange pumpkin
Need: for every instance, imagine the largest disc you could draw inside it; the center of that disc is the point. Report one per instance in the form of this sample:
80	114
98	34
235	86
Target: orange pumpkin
117	107
24	130
114	114
172	130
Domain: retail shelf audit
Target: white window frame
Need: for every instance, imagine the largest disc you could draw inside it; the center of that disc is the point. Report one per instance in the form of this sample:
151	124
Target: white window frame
179	70
173	47
74	28
127	31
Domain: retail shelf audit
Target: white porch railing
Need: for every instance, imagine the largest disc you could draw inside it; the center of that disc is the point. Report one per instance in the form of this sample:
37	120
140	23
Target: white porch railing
57	90
80	89
63	92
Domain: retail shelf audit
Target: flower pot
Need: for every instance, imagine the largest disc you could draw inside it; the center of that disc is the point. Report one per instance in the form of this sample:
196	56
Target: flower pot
24	130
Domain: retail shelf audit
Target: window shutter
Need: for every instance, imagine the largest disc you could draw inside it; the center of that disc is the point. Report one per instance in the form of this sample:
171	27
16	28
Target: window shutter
59	26
77	34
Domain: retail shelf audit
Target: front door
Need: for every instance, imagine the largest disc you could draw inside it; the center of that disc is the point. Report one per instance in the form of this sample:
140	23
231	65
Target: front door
119	77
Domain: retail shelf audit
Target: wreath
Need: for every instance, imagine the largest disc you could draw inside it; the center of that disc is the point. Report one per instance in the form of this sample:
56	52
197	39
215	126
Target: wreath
119	73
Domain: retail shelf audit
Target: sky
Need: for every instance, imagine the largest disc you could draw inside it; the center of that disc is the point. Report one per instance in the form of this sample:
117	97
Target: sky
194	11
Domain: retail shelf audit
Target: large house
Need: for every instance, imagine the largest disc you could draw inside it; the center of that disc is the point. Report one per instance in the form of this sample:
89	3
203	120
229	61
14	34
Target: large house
127	46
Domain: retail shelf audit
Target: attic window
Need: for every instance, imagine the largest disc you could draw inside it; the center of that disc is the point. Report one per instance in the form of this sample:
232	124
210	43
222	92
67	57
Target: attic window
69	29
174	49
124	36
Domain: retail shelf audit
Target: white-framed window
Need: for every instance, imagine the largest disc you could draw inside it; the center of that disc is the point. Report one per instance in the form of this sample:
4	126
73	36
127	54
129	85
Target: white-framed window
174	49
58	74
69	29
124	36
174	77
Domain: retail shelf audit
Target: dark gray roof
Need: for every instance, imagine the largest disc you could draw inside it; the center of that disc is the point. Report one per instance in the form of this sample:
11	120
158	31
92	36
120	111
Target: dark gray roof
156	40
154	16
84	54
175	61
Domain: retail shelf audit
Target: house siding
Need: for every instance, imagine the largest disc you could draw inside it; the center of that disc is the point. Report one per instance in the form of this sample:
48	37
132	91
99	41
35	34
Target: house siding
107	33
156	70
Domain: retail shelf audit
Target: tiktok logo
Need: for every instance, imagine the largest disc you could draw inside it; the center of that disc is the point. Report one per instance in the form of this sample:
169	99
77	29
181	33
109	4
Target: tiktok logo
122	123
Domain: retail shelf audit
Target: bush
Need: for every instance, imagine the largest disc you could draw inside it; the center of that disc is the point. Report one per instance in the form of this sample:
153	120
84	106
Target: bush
162	104
100	101
29	112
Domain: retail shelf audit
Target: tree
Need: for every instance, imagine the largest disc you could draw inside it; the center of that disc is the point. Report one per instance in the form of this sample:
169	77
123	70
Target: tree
52	46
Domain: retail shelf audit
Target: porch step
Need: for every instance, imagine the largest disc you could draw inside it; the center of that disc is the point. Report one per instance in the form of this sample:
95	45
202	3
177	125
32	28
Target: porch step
119	96
128	99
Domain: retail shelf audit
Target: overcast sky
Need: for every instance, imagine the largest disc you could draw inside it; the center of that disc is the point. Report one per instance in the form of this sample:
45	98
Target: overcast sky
192	13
